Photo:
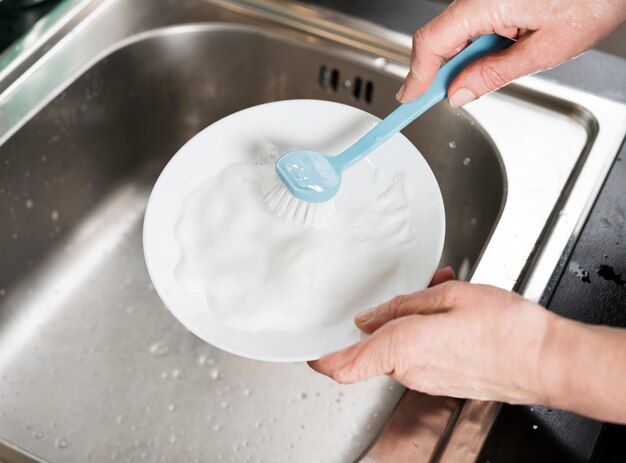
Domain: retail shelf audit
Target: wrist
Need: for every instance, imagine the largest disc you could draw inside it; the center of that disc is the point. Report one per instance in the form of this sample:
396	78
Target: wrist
563	360
532	347
550	360
543	361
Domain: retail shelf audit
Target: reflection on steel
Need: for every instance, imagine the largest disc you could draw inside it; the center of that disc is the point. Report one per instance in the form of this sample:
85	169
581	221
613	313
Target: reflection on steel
414	431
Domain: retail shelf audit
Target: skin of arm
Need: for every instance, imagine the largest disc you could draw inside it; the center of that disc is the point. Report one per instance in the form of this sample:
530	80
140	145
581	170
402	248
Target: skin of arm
548	33
585	369
480	342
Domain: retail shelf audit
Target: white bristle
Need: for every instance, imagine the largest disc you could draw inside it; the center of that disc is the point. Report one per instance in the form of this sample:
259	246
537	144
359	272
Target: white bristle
285	206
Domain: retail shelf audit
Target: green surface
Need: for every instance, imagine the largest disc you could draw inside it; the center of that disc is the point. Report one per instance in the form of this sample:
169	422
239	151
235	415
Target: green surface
21	28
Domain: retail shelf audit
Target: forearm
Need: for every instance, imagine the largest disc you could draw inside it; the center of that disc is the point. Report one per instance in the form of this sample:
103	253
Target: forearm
584	369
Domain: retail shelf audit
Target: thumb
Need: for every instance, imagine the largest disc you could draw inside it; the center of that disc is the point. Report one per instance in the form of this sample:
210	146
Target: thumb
374	356
528	55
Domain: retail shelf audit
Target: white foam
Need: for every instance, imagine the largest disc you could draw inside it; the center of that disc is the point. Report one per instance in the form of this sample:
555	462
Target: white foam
257	271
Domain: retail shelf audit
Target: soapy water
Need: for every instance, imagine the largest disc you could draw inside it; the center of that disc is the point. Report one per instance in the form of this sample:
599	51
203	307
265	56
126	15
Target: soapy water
258	271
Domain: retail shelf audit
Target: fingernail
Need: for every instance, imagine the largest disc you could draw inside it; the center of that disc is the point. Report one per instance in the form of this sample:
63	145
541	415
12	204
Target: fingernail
400	93
365	316
461	97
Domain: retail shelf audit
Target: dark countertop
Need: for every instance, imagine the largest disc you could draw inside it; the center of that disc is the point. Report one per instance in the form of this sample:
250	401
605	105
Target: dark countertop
524	433
16	21
559	435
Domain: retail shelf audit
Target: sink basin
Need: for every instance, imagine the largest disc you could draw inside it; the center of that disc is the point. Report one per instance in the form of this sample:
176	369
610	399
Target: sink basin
94	368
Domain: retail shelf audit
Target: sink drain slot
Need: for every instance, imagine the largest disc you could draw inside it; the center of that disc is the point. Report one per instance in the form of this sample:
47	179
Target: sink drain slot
330	80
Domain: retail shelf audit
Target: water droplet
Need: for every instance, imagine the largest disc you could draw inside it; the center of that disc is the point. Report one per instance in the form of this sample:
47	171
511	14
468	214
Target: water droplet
304	395
177	374
379	138
38	434
246	392
380	62
29	204
171	407
52	140
15	236
159	350
215	373
2	292
54	215
581	273
61	443
452	144
535	426
173	439
224	404
466	162
119	419
608	273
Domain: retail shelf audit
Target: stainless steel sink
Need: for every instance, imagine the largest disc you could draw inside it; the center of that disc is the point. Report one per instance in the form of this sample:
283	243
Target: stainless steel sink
92	106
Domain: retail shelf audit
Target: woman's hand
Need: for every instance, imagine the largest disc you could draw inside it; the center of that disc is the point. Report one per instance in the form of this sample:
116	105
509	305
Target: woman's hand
480	342
547	32
454	339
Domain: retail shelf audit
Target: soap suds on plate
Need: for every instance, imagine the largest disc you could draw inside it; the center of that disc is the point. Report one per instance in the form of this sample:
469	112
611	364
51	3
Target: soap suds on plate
257	271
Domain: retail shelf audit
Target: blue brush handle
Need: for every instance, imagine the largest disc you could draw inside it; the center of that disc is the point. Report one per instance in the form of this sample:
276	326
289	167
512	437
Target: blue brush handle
408	112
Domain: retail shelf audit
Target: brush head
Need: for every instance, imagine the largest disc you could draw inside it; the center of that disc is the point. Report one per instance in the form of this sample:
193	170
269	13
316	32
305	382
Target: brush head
285	206
309	176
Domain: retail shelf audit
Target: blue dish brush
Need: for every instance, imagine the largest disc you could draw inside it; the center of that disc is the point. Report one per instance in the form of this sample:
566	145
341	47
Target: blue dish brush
313	178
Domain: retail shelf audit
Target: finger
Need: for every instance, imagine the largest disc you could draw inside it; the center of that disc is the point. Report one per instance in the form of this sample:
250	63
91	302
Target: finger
444	36
448	56
423	66
442	275
527	56
377	355
429	301
512	33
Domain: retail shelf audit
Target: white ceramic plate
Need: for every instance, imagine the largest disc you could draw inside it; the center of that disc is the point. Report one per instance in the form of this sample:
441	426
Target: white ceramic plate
293	124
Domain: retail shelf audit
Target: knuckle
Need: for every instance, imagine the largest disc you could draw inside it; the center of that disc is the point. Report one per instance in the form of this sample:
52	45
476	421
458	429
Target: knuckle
452	292
491	77
419	38
397	305
341	376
